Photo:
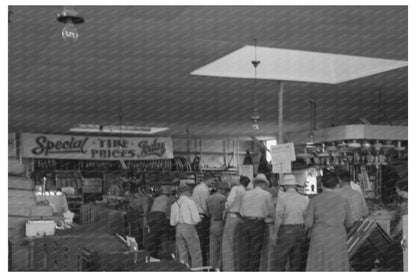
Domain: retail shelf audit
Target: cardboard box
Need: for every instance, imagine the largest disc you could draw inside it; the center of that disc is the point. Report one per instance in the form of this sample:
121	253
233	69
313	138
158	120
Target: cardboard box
41	211
40	228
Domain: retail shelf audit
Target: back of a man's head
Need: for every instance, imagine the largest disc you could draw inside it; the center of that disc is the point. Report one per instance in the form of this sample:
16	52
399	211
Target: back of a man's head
344	177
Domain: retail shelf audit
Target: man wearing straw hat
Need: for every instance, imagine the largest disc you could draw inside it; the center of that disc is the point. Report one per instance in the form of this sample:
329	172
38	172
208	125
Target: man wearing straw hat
290	210
184	216
256	205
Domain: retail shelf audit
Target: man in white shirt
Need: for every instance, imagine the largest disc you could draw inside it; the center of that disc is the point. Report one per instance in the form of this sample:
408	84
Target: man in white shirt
290	211
256	205
231	238
184	215
357	203
200	195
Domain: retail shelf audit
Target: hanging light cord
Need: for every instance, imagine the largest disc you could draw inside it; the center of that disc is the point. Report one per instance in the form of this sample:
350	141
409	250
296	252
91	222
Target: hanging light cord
120	117
255	63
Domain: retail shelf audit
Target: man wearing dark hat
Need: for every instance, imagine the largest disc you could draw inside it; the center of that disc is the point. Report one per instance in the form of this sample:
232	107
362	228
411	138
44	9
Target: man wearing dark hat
184	215
231	244
256	205
215	209
290	211
158	220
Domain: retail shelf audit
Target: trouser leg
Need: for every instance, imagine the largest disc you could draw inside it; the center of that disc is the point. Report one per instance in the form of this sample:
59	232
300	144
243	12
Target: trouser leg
164	238
203	234
245	246
231	245
216	231
283	246
256	230
193	245
153	240
181	244
237	241
227	247
295	254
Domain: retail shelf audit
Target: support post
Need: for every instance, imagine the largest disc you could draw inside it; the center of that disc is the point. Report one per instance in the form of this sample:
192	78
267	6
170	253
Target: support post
280	119
280	125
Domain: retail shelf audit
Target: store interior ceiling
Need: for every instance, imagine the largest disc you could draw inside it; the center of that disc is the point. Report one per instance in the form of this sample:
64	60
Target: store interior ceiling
136	61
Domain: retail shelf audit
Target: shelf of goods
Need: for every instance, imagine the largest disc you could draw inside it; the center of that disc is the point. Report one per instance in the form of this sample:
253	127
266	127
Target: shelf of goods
365	159
175	164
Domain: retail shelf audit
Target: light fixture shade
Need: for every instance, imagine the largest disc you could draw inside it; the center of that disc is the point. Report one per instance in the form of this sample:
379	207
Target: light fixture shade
70	17
378	145
389	144
354	144
366	145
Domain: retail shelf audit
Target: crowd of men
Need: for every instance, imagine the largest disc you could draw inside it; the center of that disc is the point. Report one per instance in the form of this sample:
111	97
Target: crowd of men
224	225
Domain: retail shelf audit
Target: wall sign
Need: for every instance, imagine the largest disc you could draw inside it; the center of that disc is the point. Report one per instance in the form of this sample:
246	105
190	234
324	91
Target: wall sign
12	145
95	148
92	185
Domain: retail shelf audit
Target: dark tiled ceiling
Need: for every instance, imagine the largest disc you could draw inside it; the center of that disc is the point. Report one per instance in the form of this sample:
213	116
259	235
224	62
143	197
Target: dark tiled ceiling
142	57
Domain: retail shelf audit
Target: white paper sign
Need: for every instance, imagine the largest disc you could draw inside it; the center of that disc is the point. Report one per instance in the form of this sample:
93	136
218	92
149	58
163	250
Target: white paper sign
283	167
282	153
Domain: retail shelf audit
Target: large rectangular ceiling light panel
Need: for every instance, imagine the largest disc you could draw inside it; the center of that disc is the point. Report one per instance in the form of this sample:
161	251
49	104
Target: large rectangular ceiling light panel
295	65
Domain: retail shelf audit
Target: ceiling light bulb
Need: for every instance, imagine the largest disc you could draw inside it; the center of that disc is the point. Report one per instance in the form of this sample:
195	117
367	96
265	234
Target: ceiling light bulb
69	32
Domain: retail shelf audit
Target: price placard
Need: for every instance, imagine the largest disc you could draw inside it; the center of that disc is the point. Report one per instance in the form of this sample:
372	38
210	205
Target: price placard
282	167
282	153
92	185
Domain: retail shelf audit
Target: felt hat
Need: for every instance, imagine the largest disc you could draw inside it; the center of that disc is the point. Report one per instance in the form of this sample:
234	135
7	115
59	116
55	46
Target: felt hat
289	180
260	179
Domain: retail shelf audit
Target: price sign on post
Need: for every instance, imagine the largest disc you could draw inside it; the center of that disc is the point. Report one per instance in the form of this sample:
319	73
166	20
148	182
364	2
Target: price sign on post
282	156
282	167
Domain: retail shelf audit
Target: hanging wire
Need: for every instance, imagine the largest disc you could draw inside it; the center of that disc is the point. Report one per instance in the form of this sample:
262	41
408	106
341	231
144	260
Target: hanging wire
255	63
120	118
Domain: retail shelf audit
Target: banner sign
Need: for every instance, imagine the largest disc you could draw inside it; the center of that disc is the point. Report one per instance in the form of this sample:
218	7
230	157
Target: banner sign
95	148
